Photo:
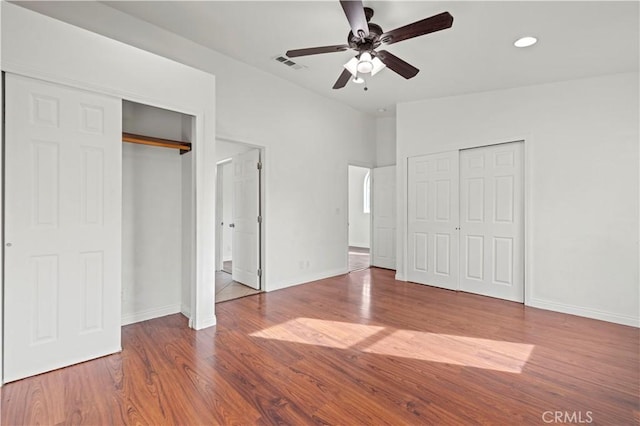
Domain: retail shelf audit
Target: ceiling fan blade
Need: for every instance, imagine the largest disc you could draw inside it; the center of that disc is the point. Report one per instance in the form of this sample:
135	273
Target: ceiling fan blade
317	50
342	80
397	65
435	23
356	17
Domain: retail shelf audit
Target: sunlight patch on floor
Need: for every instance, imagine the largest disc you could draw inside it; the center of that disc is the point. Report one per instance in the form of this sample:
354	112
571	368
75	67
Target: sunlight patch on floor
333	334
434	347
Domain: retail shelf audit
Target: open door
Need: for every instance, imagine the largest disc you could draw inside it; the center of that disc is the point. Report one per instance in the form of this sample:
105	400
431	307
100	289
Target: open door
62	226
246	218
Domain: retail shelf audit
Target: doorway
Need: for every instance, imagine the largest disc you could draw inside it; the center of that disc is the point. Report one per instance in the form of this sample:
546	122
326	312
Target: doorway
239	218
359	218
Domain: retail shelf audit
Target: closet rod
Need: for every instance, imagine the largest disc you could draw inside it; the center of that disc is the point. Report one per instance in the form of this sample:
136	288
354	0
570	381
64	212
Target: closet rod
165	143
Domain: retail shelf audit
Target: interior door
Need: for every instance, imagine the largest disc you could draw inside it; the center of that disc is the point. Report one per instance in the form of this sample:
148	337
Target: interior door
384	217
433	220
246	218
62	226
492	221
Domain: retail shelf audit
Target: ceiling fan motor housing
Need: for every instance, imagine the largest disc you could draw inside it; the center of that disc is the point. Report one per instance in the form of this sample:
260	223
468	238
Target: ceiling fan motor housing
367	43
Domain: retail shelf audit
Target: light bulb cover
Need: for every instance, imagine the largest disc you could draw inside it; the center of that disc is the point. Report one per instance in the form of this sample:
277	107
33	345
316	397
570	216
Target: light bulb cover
365	64
378	65
358	80
352	66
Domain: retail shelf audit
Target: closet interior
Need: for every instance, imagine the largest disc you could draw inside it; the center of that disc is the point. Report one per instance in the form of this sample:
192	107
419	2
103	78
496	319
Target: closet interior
157	211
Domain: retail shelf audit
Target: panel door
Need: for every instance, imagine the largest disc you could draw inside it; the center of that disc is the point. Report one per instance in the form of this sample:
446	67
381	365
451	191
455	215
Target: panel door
433	220
384	217
492	221
62	226
246	210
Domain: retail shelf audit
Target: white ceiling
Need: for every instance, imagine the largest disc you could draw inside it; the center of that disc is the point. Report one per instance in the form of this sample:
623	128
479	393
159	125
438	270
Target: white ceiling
576	40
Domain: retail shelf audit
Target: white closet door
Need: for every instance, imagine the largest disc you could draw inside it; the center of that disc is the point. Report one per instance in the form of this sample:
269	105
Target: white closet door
246	209
433	219
384	217
492	221
62	226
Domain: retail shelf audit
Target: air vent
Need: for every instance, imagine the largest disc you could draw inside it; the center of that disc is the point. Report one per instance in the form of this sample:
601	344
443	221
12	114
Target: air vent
288	62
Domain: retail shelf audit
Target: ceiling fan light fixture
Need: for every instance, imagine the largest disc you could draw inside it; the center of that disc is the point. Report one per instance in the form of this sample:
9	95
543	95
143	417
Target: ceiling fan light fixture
358	80
378	65
352	66
525	41
365	63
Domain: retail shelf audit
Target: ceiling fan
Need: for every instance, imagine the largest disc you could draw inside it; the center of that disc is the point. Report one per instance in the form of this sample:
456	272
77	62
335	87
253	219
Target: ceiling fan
366	36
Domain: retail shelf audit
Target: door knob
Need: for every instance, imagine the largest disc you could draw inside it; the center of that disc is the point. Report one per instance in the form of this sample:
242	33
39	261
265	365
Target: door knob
232	225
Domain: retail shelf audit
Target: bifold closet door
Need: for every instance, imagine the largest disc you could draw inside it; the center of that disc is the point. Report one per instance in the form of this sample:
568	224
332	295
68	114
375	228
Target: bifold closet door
384	217
492	221
62	226
433	219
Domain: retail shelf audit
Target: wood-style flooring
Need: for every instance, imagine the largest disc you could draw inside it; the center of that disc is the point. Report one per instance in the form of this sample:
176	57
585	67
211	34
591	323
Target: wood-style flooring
359	258
359	349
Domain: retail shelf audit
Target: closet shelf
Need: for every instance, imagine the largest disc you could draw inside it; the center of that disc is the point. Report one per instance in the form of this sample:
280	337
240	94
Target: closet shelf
184	147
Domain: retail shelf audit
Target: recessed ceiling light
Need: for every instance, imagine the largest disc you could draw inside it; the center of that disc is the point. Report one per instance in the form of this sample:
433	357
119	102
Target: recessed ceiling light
525	41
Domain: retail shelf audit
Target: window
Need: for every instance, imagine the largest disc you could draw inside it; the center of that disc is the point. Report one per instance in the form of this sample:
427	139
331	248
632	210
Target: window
366	191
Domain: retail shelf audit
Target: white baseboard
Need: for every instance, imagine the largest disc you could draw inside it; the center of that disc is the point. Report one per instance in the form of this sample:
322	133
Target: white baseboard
148	314
584	312
304	279
202	323
360	246
186	311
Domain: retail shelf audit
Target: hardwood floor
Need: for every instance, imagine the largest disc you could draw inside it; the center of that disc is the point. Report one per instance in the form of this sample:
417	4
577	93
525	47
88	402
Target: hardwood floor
356	349
359	258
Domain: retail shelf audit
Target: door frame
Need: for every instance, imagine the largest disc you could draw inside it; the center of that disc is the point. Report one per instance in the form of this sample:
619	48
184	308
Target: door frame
403	186
262	206
219	212
371	201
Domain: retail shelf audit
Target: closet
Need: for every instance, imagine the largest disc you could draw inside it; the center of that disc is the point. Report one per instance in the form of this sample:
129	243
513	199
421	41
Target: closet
156	212
72	274
466	220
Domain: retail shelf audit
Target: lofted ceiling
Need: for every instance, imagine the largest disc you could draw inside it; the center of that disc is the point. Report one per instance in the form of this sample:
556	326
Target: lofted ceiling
576	40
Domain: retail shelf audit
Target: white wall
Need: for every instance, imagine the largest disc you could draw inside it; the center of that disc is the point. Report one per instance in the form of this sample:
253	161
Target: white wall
582	175
226	150
385	141
150	121
359	222
308	141
188	229
151	232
